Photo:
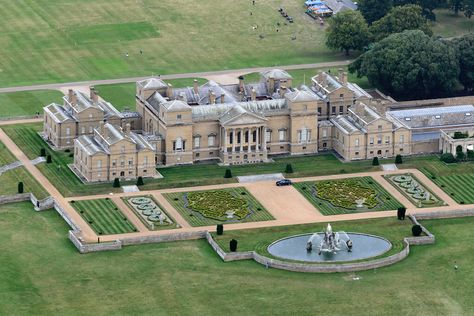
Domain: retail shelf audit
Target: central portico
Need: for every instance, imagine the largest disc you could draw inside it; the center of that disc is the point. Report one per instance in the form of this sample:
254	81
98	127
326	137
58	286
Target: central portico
243	137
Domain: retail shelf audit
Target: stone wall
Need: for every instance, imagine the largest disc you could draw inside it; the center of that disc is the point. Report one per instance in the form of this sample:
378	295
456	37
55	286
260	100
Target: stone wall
86	248
445	214
178	236
21	197
39	205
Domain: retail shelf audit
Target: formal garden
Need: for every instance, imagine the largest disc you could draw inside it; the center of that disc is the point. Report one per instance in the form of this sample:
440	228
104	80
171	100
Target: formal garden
103	216
202	208
414	190
332	197
150	212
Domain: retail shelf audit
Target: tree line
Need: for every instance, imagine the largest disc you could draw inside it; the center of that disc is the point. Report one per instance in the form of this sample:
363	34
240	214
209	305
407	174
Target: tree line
401	56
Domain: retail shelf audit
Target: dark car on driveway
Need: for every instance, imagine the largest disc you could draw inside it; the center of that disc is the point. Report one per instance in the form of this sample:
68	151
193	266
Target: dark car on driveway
283	182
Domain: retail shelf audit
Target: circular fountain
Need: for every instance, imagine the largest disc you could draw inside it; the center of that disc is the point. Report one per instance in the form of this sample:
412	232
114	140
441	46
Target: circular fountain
329	246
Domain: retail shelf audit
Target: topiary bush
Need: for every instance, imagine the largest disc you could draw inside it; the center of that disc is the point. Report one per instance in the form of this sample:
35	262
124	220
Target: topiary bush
447	158
42	152
220	229
416	230
49	159
460	155
20	187
228	173
233	245
116	183
398	159
140	181
289	168
401	213
375	161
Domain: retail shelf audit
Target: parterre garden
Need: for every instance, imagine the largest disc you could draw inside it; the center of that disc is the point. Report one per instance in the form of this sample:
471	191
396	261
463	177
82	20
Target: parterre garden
150	212
332	197
414	190
103	216
234	205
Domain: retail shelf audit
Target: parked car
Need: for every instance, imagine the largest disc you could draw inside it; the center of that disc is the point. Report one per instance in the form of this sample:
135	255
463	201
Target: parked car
283	182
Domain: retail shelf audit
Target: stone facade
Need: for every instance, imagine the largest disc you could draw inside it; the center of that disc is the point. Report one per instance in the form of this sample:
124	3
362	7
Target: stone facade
113	152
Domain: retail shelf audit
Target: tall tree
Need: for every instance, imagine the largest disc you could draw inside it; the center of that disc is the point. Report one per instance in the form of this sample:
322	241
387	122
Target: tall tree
465	50
456	5
427	6
347	30
468	8
399	19
373	10
410	65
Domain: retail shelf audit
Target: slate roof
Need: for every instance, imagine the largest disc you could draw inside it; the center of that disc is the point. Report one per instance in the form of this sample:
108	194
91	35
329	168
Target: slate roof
58	113
301	96
276	74
152	84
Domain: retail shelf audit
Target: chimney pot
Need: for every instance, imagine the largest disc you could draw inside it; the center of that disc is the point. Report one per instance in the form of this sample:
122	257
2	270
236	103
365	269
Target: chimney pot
195	86
169	90
223	98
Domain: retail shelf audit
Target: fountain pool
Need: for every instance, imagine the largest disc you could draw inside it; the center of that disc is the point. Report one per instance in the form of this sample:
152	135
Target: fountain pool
363	246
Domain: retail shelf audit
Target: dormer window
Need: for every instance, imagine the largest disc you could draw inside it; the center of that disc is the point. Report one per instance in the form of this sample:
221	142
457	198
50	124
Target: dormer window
178	117
437	116
407	119
468	114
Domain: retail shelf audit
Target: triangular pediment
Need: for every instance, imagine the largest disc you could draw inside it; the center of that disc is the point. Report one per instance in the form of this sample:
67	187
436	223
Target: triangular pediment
246	118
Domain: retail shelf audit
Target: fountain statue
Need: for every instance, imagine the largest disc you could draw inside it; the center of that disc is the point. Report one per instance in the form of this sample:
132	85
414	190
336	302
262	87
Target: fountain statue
330	242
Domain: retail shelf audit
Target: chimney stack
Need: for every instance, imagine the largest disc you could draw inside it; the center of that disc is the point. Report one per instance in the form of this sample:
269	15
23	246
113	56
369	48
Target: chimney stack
181	96
101	127
241	84
169	91
340	74
104	130
282	91
212	97
344	78
254	94
93	95
72	97
223	98
196	86
127	129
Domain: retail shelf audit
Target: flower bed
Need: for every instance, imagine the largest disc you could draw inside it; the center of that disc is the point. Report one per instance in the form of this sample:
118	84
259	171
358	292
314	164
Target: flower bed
150	213
414	190
332	197
201	208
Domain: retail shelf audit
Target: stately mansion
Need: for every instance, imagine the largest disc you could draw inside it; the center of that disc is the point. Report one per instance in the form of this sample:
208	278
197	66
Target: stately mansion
240	123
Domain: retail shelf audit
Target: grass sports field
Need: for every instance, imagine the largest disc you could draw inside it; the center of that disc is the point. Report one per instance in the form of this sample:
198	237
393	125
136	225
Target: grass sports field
70	40
327	207
27	103
186	278
103	216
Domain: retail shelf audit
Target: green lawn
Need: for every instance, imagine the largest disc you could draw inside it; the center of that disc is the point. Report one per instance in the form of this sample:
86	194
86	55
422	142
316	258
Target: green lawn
449	25
9	179
42	273
256	212
384	200
69	40
103	216
27	103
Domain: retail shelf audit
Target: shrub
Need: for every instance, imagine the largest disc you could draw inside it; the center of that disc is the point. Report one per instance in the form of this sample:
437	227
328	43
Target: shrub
140	181
401	213
220	229
375	161
398	159
448	158
67	151
233	245
289	168
460	155
49	159
416	230
228	173
20	187
459	135
43	152
470	154
71	155
342	171
116	183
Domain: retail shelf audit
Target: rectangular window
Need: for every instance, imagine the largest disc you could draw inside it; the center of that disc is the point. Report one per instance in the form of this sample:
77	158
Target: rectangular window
211	140
341	95
99	164
333	110
371	141
379	128
91	129
387	139
130	162
145	160
83	130
178	117
379	140
281	135
402	139
357	142
68	131
114	163
325	132
122	149
341	109
357	153
122	162
197	142
319	110
268	136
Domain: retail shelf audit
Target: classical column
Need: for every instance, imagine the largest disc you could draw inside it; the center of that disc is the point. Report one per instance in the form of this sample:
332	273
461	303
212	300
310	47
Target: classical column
249	148
233	140
225	140
264	138
256	140
241	139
